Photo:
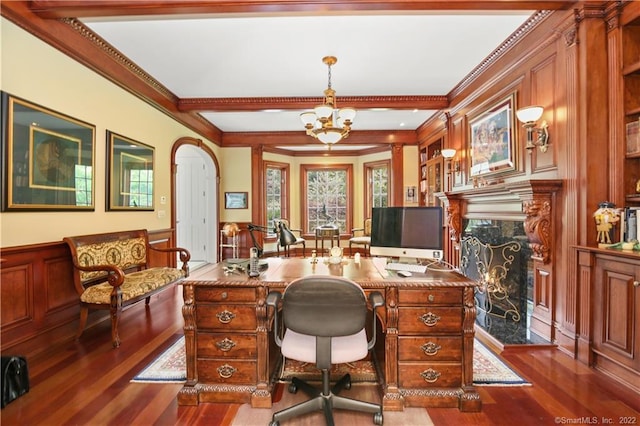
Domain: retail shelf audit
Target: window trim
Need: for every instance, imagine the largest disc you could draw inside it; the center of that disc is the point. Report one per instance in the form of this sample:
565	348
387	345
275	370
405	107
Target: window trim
285	199
367	193
304	169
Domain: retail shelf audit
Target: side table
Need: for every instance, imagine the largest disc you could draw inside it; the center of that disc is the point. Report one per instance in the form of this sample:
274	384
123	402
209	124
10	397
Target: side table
329	232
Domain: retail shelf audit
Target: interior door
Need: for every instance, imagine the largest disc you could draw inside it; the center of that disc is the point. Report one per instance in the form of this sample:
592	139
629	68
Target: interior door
191	207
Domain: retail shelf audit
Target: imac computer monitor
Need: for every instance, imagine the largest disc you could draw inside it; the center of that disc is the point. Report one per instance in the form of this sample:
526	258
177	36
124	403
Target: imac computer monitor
407	232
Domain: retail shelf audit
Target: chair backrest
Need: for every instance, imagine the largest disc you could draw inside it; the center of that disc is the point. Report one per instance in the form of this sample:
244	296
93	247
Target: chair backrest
367	227
325	306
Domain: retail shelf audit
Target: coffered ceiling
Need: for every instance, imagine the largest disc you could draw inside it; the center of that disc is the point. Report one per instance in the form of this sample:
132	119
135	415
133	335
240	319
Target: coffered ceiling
254	66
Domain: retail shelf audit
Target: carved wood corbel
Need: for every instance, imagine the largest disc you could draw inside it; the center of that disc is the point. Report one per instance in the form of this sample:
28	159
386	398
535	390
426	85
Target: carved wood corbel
537	225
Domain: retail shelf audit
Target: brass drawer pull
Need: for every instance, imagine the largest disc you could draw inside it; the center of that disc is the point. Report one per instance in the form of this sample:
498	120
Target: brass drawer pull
226	371
430	375
430	348
429	319
225	316
225	345
431	298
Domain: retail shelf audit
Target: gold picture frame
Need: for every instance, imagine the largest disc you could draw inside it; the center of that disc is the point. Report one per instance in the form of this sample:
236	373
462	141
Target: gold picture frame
130	169
48	159
492	139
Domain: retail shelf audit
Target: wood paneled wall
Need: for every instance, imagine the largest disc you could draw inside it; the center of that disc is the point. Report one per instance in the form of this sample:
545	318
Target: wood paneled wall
39	303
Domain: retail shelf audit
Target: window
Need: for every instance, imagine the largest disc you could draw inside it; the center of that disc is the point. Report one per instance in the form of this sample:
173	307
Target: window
327	196
276	193
140	188
376	188
84	186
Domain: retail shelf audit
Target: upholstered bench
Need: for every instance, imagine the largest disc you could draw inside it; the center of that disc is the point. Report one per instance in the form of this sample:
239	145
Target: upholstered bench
111	271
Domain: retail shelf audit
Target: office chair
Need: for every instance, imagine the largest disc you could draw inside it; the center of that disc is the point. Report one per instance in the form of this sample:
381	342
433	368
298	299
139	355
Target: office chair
361	236
324	322
286	237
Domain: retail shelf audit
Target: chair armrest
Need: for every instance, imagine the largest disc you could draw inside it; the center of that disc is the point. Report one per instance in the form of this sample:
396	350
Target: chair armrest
376	300
185	256
273	299
115	275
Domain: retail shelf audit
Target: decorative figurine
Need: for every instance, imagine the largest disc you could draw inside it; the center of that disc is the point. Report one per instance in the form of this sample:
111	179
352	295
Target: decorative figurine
607	218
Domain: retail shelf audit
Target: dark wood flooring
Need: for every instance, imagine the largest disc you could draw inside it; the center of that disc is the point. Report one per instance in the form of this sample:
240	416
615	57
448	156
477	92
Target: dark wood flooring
86	382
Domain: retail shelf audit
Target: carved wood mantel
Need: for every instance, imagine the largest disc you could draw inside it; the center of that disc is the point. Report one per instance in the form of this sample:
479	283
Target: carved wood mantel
531	201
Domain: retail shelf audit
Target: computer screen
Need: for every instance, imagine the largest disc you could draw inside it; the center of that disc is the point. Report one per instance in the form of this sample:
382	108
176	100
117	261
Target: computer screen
407	232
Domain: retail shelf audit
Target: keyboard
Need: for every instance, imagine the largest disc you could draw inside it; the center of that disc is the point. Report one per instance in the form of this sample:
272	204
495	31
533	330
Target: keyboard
411	267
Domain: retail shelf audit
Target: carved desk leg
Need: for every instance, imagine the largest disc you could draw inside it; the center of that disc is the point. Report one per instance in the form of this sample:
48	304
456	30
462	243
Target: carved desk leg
392	399
469	399
188	395
261	397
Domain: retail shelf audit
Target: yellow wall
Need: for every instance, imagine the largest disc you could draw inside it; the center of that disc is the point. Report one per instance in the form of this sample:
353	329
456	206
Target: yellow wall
32	70
36	72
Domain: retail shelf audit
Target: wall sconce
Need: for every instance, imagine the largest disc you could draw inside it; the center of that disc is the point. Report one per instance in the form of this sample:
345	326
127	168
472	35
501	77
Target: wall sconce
528	116
448	155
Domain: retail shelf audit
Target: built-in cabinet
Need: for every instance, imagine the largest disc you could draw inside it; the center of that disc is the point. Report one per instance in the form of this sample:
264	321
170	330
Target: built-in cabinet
431	173
611	283
630	31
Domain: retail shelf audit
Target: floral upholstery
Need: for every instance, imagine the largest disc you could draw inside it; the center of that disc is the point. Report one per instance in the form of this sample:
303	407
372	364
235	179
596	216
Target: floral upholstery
135	284
121	253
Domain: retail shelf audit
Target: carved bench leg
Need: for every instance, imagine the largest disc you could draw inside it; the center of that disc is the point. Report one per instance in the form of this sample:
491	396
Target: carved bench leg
116	308
147	300
84	313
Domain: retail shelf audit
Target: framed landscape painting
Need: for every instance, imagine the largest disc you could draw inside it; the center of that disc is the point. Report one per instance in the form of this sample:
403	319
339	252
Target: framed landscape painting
130	174
48	158
236	200
491	139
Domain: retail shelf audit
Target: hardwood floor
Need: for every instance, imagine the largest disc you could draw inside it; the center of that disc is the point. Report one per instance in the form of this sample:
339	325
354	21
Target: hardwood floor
87	383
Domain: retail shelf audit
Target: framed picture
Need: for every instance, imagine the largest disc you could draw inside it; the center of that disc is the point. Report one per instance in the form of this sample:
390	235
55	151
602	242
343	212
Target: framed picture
129	174
411	194
48	158
491	137
236	200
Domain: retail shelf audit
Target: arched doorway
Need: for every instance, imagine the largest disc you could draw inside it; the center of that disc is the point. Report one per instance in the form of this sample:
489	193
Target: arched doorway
195	197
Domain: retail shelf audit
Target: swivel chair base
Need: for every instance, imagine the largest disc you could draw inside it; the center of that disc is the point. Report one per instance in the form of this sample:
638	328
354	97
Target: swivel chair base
325	400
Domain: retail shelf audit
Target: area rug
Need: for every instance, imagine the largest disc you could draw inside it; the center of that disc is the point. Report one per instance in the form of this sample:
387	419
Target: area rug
488	369
247	416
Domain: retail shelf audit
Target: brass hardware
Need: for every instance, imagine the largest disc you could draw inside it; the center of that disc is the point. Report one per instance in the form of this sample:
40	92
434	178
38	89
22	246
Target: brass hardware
429	319
225	316
430	375
431	298
430	348
636	283
226	371
225	345
224	295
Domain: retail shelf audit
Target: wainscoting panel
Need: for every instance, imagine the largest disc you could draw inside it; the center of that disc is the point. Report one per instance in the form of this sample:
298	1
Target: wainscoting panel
39	303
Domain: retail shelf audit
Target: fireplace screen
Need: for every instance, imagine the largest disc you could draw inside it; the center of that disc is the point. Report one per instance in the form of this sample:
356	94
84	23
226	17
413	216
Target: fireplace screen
496	254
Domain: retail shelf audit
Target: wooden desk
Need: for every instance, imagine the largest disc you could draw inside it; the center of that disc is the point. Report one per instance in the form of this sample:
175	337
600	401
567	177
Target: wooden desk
426	354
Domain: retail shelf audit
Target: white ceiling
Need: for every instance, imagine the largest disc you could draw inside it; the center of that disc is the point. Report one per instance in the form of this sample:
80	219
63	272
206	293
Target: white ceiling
232	55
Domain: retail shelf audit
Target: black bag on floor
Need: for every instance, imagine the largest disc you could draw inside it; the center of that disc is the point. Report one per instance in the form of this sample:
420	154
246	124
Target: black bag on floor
15	378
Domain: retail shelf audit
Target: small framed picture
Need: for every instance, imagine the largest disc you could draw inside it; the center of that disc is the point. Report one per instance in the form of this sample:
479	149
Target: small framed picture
236	200
411	194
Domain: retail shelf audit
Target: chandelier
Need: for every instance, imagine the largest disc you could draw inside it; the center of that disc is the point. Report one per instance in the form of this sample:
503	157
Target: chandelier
326	123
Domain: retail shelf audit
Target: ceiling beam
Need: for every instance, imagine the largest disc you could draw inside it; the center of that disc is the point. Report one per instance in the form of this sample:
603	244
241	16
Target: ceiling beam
54	9
295	103
356	137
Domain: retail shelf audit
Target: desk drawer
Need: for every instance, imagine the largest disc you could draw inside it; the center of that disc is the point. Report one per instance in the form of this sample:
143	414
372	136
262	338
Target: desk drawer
430	296
226	317
433	374
227	371
430	348
429	320
225	294
227	345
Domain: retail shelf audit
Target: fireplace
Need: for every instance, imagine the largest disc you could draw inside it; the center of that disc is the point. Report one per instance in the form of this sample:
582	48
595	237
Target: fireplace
502	235
497	254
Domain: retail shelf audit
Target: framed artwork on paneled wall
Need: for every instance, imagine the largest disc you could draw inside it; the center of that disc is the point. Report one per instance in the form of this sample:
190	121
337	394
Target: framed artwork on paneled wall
48	158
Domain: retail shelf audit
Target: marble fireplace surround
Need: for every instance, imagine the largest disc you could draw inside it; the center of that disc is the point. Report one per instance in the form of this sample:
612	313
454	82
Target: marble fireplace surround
533	202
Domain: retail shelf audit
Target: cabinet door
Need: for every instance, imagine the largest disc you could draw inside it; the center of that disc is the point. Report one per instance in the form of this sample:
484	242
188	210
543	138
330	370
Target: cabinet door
617	314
